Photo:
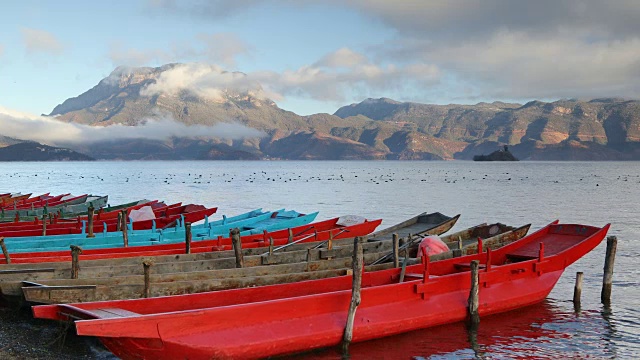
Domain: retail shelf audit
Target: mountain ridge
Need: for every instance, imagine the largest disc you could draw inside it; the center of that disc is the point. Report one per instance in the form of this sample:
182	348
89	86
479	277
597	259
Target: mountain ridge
379	128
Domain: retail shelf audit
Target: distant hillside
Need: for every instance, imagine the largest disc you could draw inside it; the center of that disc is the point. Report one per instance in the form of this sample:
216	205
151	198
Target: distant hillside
32	151
607	129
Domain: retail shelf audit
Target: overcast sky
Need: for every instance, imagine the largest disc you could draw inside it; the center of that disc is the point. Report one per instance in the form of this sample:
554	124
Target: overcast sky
315	56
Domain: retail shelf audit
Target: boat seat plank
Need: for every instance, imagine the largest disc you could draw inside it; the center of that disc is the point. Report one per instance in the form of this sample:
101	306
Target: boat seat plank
107	313
418	275
467	266
552	245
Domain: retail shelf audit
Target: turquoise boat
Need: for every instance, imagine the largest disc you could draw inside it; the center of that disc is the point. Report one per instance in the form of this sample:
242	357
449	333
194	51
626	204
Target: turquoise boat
199	231
249	223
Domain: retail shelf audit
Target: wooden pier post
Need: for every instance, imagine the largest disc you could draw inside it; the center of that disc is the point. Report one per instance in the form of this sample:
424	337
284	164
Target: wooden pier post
44	225
75	260
358	261
270	245
187	237
119	223
474	300
607	279
460	243
90	212
290	239
237	246
396	251
7	258
577	291
123	227
330	242
147	277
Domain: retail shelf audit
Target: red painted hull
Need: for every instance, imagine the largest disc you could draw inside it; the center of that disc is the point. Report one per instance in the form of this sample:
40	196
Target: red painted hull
250	241
288	318
74	228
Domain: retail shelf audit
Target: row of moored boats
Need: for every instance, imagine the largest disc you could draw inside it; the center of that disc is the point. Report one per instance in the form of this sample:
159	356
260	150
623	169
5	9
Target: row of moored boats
154	280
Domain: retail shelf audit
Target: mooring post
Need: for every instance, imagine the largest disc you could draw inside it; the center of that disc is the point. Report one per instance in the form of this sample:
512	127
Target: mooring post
187	237
90	213
123	227
270	245
577	290
290	239
607	279
119	223
44	225
474	301
147	278
7	258
358	261
237	246
75	260
459	243
396	251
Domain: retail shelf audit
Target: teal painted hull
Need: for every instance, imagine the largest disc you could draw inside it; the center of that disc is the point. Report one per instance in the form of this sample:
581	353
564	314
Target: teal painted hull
249	223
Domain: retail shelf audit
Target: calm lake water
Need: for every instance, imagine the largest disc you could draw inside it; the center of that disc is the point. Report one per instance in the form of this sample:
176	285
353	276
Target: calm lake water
518	193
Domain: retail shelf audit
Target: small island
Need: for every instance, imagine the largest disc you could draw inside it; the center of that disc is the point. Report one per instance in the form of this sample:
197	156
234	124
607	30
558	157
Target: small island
498	155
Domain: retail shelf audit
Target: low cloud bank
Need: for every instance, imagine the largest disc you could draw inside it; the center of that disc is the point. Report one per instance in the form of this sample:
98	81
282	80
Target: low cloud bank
51	131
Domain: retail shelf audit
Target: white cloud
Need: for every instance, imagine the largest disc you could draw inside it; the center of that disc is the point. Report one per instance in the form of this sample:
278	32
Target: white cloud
40	41
338	76
51	131
223	48
209	81
220	48
343	57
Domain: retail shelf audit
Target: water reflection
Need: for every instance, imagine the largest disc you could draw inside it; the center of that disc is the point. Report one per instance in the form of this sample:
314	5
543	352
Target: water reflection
548	329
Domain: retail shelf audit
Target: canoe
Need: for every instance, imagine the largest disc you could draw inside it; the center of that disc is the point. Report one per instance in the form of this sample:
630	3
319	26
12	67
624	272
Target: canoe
251	323
170	278
48	208
417	225
72	206
78	212
164	216
258	223
152	235
31	233
318	231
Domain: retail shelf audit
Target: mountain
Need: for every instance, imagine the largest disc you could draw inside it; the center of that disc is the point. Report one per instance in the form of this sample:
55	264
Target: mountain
603	129
32	151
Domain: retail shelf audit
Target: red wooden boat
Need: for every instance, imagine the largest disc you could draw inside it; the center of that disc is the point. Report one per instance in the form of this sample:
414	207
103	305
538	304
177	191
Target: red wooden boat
76	228
288	318
33	200
319	231
101	218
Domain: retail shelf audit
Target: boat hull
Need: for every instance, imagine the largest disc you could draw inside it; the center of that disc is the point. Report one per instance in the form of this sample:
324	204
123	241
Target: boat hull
320	322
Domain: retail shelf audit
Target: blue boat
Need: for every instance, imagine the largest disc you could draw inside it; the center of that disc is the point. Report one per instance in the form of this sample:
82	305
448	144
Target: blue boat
249	223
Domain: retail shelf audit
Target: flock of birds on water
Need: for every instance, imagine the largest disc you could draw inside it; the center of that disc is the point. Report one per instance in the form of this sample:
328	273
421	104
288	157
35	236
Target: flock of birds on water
421	175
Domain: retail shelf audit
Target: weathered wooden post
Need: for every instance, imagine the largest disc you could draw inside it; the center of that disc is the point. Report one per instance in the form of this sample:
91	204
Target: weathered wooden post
358	261
44	225
75	260
474	301
290	239
119	223
90	213
7	258
147	277
270	245
187	237
123	227
330	242
460	243
237	246
607	279
396	251
577	291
